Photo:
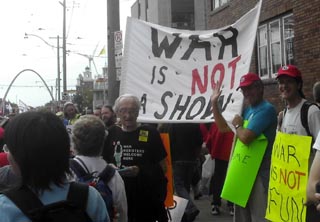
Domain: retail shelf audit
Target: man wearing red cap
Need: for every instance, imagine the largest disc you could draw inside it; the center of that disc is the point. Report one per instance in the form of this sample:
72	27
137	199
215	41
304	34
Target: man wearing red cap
290	86
259	119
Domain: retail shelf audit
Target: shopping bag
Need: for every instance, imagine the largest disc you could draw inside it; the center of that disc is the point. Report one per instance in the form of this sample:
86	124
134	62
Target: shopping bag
177	210
208	167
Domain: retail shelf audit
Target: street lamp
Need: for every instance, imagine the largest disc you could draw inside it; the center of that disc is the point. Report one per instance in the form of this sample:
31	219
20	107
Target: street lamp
26	35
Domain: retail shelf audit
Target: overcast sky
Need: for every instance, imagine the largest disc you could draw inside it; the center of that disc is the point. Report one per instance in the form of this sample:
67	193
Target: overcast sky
86	31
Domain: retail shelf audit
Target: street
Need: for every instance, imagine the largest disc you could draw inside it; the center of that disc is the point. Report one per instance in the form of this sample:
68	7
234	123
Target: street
204	205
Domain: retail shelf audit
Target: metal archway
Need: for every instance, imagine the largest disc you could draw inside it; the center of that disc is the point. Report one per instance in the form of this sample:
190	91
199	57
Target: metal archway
25	70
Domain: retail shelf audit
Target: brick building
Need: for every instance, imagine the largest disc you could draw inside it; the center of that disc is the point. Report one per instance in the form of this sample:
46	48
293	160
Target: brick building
288	33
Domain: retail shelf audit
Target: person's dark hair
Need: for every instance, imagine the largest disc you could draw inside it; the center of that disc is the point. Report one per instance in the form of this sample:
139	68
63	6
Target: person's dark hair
39	144
88	135
300	91
65	108
108	107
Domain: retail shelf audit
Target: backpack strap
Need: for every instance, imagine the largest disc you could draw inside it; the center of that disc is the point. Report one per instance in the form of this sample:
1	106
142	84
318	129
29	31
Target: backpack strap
27	201
78	193
107	173
24	199
79	170
304	115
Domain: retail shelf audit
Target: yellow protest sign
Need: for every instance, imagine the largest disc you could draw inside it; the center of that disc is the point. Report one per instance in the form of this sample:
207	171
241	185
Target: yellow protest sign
288	178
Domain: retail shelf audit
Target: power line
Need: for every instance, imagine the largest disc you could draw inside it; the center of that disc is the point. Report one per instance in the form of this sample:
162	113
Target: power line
30	86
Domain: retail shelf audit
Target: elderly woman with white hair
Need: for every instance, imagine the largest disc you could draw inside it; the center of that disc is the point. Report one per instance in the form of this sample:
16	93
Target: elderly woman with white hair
88	136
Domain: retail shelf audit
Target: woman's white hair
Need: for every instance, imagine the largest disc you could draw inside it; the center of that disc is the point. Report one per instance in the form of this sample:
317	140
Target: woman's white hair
126	96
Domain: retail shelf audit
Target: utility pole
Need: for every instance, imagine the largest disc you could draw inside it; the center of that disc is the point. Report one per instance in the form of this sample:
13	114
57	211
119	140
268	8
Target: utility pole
58	62
64	50
113	25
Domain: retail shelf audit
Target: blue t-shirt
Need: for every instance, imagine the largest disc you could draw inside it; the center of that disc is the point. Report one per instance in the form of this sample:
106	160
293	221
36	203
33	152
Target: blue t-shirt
263	119
96	208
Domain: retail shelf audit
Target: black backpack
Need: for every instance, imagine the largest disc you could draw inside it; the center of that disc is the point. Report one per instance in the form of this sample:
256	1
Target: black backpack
304	115
99	182
73	209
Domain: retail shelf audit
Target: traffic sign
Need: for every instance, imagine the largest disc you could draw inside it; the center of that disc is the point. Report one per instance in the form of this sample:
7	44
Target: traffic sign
118	40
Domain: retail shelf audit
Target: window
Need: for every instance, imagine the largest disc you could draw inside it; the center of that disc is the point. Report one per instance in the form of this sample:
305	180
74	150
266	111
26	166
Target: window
288	39
263	51
275	45
218	3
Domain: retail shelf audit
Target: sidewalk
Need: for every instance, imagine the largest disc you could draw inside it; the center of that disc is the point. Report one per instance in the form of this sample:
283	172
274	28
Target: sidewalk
204	205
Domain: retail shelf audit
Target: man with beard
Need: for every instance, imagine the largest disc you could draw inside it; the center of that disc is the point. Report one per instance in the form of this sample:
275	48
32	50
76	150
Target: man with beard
108	116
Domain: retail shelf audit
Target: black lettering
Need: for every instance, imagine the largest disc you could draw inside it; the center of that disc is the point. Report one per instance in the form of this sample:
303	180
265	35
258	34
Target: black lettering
162	74
162	78
245	158
169	49
272	200
223	105
153	74
202	102
143	102
273	173
196	43
164	104
292	154
178	107
208	111
230	41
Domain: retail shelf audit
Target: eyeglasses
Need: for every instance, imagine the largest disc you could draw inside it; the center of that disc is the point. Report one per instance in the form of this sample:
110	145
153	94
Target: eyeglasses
128	111
5	148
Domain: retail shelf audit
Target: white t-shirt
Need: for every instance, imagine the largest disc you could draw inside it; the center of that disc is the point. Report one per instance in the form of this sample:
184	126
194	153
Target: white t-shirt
316	144
291	122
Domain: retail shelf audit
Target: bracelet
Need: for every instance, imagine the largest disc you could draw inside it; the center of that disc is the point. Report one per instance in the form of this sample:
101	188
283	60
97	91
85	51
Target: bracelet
237	126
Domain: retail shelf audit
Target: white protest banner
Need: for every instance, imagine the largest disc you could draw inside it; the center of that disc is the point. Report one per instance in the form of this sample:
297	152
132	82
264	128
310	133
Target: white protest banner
173	71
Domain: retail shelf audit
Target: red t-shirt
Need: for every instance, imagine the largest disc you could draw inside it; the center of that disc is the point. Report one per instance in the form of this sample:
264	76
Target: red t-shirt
3	159
219	144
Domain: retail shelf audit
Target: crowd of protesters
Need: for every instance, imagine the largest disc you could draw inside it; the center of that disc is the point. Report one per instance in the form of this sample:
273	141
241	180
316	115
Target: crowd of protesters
32	144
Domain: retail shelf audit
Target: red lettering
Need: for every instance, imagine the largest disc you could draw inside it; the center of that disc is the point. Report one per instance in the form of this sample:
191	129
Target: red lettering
218	67
196	80
292	179
233	66
218	74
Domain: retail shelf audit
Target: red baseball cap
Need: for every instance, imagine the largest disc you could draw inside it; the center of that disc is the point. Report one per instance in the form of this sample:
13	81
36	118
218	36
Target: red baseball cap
289	70
248	79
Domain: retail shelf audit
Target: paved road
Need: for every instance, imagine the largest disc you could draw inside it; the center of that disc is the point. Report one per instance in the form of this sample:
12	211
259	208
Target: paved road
205	211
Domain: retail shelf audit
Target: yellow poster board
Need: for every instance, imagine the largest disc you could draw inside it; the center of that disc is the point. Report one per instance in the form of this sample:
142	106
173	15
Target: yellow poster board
288	178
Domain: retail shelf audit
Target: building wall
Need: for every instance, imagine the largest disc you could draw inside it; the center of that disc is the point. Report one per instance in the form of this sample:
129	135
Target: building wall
156	11
306	37
200	14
